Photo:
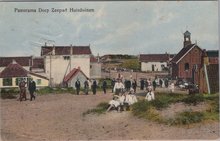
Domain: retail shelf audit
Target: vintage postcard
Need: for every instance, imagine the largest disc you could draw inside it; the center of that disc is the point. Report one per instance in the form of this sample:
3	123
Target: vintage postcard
109	70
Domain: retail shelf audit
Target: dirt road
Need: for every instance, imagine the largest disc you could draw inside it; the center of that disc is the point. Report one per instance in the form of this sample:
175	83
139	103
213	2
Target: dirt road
59	117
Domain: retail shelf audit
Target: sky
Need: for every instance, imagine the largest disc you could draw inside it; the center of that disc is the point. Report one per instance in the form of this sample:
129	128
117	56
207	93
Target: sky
138	27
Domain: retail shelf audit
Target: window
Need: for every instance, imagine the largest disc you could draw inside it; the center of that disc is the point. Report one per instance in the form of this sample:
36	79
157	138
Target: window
38	81
186	67
7	81
66	57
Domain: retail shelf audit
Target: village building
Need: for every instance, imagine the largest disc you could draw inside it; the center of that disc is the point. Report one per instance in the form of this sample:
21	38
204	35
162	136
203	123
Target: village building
154	62
13	73
56	62
186	64
59	61
197	66
70	79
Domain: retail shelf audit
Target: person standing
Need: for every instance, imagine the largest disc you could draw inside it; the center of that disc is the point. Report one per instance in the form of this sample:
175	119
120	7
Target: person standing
113	84
154	85
86	86
119	87
149	83
104	86
22	87
94	86
134	85
32	89
77	86
142	84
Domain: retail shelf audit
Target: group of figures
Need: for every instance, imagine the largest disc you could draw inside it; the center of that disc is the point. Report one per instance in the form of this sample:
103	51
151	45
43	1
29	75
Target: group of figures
87	83
162	83
31	88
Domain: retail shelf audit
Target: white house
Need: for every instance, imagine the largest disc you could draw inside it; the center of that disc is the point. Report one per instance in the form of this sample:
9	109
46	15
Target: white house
61	60
13	73
153	62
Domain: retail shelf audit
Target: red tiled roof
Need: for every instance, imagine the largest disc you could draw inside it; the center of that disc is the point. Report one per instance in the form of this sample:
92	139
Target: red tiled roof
13	70
154	57
38	63
16	70
183	52
72	73
23	61
65	50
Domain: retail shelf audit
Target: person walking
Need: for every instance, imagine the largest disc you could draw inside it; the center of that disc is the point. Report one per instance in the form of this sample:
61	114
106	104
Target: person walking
22	87
94	87
104	86
77	86
32	89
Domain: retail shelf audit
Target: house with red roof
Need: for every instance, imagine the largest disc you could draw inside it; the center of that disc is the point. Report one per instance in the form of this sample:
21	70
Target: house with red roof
13	73
70	79
154	62
59	61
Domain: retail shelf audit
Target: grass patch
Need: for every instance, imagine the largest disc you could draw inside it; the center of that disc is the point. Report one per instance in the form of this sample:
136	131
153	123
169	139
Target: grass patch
100	109
149	110
194	99
9	93
56	90
187	117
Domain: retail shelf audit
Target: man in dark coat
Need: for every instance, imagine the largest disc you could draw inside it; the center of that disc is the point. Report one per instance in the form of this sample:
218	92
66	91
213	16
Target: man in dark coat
134	85
113	84
94	86
86	86
77	86
104	86
32	89
142	84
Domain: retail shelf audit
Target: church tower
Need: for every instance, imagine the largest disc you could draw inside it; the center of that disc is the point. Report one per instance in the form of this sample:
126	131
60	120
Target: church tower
187	40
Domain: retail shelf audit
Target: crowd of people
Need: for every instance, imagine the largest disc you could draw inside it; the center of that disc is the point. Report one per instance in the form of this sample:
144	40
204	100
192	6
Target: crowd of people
123	90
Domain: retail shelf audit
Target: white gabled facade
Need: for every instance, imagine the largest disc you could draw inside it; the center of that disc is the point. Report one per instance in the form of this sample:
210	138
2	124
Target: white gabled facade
58	66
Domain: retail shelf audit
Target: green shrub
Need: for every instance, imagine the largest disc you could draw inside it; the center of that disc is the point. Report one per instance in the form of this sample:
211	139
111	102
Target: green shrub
188	117
140	108
193	99
56	90
100	109
161	102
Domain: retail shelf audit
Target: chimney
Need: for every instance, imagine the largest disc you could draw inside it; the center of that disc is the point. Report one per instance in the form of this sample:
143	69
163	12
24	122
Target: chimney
71	49
45	44
14	62
53	51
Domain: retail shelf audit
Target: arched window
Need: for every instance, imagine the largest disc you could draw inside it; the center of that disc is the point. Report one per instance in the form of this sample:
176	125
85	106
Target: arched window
186	67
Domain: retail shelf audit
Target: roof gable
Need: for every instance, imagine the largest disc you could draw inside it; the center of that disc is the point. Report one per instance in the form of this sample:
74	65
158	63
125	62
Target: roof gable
23	61
13	70
72	74
183	52
154	57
